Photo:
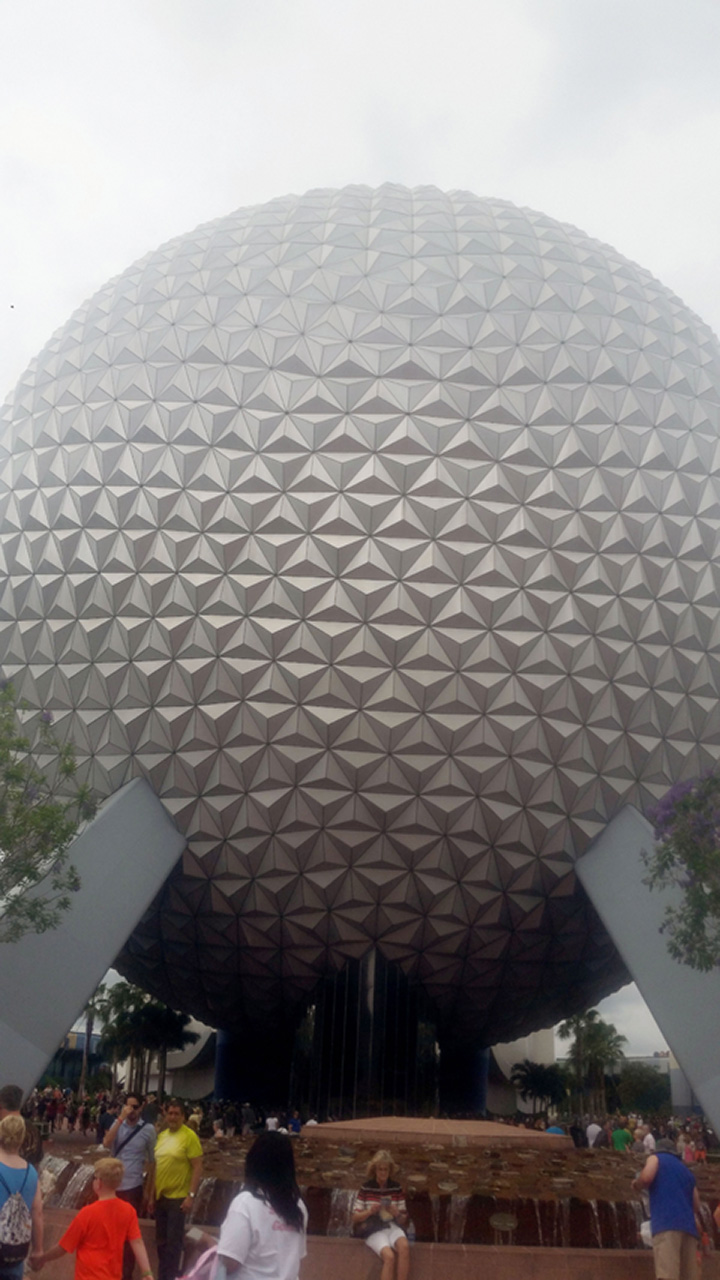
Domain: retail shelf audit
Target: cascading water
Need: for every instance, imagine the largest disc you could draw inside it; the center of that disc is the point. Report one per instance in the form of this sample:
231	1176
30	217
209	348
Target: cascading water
706	1219
75	1192
201	1203
561	1234
341	1204
455	1219
51	1170
538	1219
435	1208
596	1222
552	1221
614	1225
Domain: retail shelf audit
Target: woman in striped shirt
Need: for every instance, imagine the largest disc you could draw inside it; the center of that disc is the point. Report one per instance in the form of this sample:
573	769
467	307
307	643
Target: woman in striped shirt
379	1215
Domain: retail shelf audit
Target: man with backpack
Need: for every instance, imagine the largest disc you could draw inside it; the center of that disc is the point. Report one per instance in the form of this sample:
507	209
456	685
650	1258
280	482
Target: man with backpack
133	1140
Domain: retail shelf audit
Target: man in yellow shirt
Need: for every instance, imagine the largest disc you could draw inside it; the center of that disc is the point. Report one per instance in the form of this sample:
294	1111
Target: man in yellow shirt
178	1170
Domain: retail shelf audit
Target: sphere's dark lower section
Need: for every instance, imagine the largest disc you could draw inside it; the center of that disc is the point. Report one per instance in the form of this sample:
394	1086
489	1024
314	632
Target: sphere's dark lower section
530	972
368	1044
367	1038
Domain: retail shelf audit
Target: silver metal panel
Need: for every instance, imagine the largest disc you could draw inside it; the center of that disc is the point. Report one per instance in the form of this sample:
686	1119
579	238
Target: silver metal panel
123	857
380	531
682	1001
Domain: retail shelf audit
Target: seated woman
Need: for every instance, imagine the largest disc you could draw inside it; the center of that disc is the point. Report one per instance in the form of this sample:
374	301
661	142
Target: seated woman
379	1215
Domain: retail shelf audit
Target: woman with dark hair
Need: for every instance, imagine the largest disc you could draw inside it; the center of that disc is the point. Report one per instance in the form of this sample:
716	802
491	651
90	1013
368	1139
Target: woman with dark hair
263	1235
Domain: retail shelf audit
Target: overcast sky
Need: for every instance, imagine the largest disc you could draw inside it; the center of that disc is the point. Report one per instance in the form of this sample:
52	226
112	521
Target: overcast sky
126	122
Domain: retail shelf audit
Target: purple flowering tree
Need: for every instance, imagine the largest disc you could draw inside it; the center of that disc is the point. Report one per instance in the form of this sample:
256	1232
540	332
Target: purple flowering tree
687	856
41	807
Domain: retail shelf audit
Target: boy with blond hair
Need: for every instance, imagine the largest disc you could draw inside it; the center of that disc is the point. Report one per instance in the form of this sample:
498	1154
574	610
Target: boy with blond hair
98	1232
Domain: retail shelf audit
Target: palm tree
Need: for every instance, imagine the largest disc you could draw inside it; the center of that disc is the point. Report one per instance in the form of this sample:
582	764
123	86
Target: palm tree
527	1078
137	1027
543	1082
595	1045
605	1047
117	1009
579	1026
169	1030
92	1010
556	1085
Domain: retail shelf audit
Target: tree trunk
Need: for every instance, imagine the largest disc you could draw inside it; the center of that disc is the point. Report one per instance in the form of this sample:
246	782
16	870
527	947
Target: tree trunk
86	1050
162	1068
139	1072
132	1073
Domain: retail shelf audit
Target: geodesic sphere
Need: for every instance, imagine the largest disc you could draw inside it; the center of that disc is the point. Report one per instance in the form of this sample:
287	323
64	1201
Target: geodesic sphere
379	531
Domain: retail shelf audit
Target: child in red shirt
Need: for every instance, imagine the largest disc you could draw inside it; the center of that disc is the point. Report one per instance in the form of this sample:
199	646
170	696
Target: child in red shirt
98	1232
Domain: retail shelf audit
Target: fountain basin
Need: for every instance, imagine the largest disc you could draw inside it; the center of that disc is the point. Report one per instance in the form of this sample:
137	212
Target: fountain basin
329	1258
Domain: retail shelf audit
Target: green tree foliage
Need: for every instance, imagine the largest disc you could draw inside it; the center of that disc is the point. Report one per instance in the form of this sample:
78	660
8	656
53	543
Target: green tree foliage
686	856
136	1027
642	1088
91	1011
595	1046
543	1082
41	807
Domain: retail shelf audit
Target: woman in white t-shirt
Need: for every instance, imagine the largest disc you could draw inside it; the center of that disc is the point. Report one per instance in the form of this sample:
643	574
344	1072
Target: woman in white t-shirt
263	1235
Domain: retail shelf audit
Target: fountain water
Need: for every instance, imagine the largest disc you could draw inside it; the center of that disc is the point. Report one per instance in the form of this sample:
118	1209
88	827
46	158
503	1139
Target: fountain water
614	1225
455	1219
539	1222
561	1234
341	1203
77	1191
551	1220
435	1208
596	1222
706	1219
201	1204
51	1173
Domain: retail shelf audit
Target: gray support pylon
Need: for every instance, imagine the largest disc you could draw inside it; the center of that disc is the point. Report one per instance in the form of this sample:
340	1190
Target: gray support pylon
123	856
682	1001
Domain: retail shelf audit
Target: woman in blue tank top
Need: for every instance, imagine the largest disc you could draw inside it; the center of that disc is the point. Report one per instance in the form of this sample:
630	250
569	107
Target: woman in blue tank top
16	1175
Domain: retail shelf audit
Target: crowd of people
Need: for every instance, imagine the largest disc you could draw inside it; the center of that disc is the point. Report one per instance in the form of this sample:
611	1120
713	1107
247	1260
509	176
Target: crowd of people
632	1133
56	1110
153	1167
668	1148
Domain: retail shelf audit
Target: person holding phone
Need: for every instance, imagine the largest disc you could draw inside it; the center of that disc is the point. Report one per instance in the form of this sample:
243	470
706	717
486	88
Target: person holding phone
133	1139
380	1216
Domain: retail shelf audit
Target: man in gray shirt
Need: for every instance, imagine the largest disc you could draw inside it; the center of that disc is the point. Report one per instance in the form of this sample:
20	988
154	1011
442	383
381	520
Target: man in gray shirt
132	1140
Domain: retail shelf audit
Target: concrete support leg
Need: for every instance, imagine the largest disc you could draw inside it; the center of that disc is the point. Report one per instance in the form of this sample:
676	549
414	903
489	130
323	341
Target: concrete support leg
681	1000
123	856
